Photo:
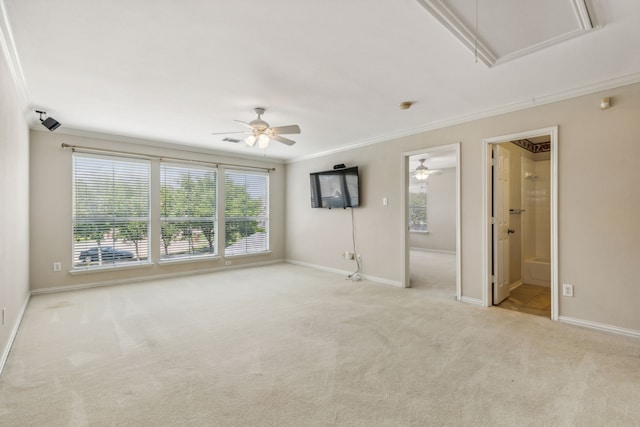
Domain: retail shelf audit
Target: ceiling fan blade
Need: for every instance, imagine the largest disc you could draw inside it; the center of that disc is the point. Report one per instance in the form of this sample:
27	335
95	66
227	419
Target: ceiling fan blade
282	130
244	123
283	140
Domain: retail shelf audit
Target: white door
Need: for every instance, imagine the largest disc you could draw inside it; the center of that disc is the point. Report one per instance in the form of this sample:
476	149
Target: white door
500	224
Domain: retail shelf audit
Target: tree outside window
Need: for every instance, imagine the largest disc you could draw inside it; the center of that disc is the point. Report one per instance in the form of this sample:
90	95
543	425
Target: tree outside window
418	206
110	210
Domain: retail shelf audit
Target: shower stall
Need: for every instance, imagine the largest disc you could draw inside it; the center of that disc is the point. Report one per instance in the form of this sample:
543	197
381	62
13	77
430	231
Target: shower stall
536	221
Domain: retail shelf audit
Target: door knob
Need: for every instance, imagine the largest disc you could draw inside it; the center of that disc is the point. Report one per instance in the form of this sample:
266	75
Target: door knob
510	230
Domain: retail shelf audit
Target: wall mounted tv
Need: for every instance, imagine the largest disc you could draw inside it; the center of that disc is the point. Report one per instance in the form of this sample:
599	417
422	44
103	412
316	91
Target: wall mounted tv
337	188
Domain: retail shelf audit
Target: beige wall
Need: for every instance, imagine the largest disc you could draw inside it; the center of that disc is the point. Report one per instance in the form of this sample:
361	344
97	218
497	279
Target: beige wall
14	207
598	152
441	214
51	179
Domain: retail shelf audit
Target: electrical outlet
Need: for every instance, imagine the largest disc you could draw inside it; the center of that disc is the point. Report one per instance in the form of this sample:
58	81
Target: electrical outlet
348	255
57	266
227	263
567	290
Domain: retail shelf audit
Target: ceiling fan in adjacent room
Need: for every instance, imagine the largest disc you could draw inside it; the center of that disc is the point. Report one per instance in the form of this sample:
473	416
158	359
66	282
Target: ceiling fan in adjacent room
422	172
259	131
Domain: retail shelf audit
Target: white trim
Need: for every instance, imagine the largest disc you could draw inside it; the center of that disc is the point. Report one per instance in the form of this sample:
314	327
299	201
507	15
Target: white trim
486	216
153	144
55	289
14	332
405	281
438	251
114	267
600	326
468	37
474	301
582	15
185	260
516	284
345	273
483	114
8	46
472	41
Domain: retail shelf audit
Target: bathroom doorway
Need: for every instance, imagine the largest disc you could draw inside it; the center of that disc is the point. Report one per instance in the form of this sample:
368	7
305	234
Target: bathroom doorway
521	226
431	220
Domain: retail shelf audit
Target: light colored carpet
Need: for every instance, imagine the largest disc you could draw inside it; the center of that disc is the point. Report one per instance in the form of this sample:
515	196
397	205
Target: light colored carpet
433	272
285	345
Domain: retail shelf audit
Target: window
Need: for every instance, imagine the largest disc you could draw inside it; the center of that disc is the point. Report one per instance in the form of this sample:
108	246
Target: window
110	211
187	211
246	212
418	206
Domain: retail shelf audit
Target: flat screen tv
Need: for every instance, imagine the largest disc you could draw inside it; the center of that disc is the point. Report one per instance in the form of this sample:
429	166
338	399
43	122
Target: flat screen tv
337	188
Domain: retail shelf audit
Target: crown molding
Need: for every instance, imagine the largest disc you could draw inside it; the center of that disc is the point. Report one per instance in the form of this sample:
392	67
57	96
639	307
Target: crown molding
468	37
168	145
465	118
473	41
8	47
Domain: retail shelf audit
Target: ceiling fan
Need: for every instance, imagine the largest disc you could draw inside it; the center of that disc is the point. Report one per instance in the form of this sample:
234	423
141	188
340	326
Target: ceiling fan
259	131
422	171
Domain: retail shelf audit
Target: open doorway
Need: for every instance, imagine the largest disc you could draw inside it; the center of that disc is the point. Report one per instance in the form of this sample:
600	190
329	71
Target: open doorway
431	220
520	198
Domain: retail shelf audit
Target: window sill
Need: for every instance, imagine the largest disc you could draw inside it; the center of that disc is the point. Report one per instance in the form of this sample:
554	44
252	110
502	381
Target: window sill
419	231
248	255
188	260
106	268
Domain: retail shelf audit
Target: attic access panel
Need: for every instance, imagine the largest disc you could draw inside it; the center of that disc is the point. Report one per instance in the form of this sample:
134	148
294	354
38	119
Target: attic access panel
507	29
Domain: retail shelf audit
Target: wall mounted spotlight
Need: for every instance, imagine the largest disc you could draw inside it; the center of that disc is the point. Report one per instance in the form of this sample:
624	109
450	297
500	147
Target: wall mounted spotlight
50	123
605	103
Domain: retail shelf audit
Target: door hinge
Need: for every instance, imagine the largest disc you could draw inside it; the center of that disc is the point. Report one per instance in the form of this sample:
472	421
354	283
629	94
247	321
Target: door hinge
494	220
493	279
494	162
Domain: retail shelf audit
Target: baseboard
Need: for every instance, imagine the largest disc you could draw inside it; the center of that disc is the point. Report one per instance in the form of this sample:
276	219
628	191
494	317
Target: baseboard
600	326
473	301
14	332
438	251
55	289
515	284
381	280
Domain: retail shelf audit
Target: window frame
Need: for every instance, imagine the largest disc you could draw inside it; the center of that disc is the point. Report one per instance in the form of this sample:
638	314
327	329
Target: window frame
421	228
137	188
192	254
263	220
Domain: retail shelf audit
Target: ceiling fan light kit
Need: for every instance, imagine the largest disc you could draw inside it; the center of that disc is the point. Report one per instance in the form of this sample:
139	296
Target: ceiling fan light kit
422	172
259	131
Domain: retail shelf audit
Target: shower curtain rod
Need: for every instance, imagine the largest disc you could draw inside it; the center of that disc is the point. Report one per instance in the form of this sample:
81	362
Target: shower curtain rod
81	149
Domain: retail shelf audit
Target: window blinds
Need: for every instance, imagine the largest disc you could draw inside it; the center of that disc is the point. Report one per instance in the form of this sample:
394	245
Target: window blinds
187	211
246	212
111	214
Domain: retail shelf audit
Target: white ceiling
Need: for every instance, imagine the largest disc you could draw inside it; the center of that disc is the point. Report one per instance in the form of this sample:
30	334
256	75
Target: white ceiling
434	160
176	71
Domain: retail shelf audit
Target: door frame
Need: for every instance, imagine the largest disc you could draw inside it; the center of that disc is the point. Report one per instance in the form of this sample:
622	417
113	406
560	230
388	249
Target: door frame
405	276
487	197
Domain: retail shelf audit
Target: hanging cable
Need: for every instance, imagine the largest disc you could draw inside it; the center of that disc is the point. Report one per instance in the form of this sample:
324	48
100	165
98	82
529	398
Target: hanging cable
355	276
